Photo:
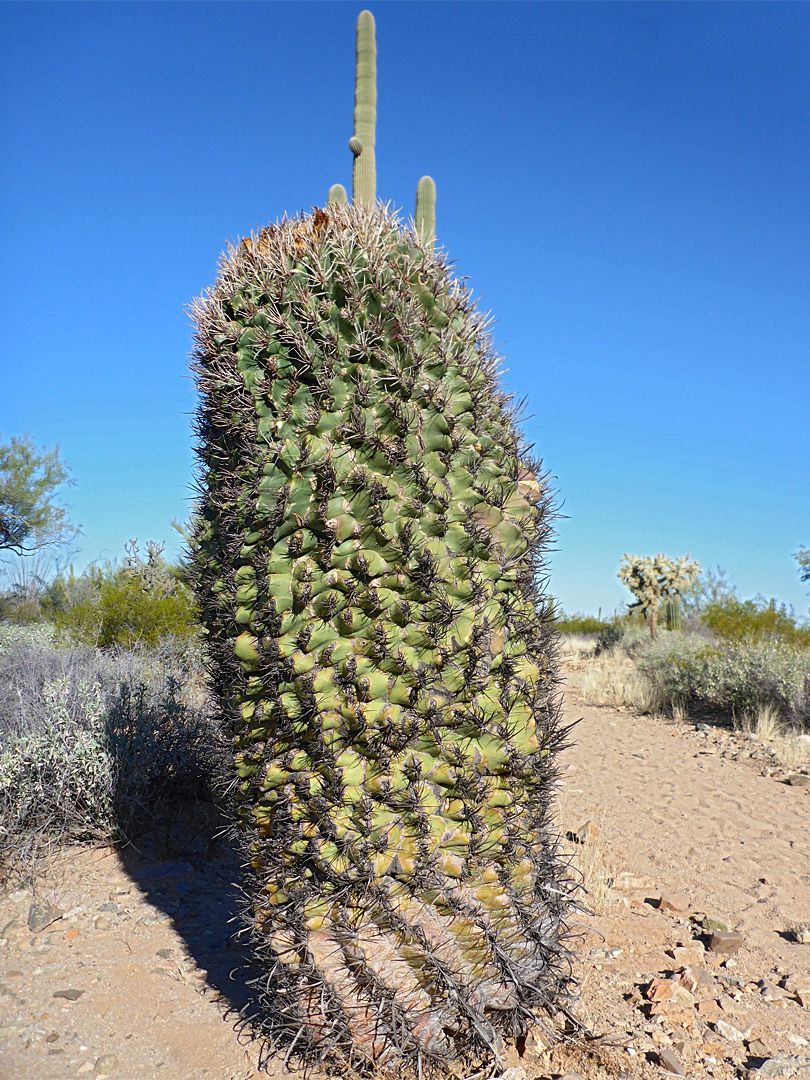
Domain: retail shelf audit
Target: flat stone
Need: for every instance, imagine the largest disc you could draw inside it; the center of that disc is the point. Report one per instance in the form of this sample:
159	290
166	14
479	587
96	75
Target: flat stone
758	1048
709	924
771	993
724	942
728	1031
42	915
68	995
798	780
670	1061
801	934
798	981
782	1065
108	1063
687	955
697	980
669	990
676	902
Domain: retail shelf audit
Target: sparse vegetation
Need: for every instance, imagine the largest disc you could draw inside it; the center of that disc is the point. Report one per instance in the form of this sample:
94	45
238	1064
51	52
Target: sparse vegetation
95	745
141	602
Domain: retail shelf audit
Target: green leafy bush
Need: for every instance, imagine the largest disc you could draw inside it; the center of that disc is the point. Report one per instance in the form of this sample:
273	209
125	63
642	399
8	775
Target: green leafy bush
141	602
735	620
580	624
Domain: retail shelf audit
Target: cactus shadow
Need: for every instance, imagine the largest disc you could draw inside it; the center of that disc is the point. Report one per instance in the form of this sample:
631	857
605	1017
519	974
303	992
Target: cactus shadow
175	841
188	869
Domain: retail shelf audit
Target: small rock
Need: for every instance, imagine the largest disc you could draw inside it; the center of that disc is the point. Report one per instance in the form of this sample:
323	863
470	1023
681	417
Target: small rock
798	780
724	942
728	1004
801	934
42	915
669	990
101	922
670	1061
781	1065
108	1063
712	1050
696	980
571	1076
110	906
711	925
728	1031
770	992
687	955
68	995
673	902
798	982
757	1048
606	953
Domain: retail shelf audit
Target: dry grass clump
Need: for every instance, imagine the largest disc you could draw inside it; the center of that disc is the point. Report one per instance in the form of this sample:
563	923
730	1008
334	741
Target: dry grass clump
612	679
790	745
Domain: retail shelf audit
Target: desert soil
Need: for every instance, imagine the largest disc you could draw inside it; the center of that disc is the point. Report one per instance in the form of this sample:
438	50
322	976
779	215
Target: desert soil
132	971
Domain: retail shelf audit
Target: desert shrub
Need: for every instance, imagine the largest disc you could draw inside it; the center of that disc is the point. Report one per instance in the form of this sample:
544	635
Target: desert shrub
731	679
94	745
141	602
735	620
626	634
580	624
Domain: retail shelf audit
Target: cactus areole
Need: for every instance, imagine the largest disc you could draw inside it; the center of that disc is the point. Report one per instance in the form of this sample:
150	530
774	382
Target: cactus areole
369	571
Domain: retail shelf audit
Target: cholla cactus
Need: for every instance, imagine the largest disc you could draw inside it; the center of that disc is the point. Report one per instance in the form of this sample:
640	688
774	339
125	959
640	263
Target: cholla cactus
369	567
651	580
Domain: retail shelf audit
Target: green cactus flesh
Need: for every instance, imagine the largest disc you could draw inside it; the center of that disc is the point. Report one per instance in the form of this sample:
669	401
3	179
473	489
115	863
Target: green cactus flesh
337	194
367	568
362	143
425	216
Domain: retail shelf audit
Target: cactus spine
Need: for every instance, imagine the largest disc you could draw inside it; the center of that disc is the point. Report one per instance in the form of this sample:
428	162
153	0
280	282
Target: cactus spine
425	216
368	568
364	174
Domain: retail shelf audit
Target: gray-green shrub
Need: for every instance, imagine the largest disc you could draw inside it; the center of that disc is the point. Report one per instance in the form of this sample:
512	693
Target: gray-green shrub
95	745
724	678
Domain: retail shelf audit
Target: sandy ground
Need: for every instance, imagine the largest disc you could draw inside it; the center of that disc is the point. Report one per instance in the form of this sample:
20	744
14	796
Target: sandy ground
137	977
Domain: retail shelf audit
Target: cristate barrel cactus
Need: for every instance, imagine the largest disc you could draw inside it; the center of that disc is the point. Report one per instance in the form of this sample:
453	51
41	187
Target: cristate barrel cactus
368	567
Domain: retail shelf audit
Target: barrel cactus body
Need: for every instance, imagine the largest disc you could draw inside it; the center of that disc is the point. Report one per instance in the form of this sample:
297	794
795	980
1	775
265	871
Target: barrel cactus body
368	568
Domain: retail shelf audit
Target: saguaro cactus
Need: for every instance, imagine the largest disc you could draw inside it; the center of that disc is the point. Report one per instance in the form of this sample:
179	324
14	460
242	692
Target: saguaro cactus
369	569
364	175
425	216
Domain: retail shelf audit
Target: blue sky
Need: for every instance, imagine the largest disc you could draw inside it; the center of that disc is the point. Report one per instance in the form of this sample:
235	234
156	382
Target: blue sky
625	186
